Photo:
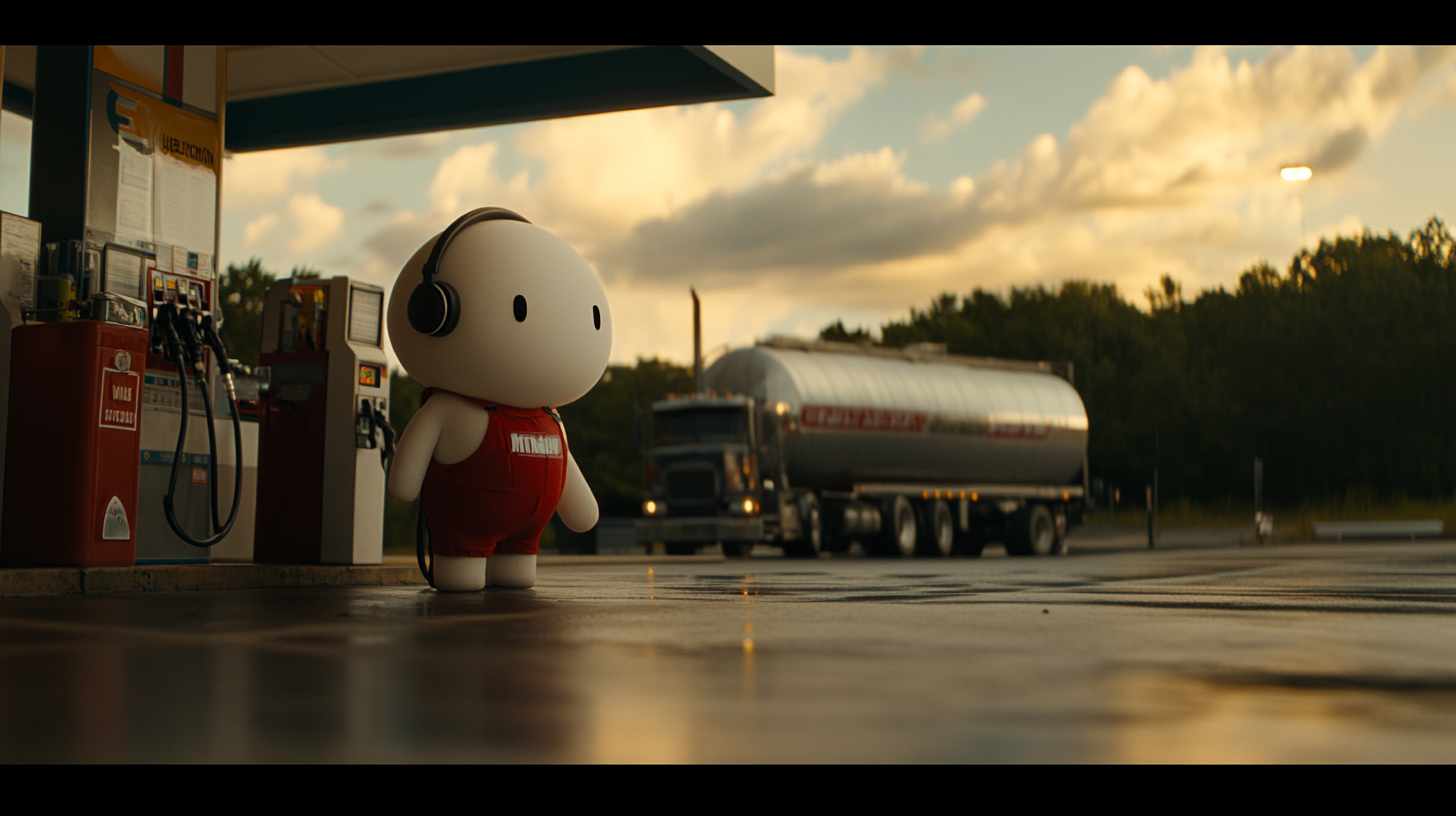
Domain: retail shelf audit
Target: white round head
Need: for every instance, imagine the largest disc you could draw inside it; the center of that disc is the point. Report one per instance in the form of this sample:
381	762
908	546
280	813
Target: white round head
534	327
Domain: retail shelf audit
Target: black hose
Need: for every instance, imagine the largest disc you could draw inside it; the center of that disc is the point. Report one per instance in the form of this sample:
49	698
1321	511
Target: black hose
219	350
386	451
422	545
170	319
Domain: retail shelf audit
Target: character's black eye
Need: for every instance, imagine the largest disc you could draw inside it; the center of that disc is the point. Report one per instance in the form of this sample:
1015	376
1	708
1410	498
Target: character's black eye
520	308
597	318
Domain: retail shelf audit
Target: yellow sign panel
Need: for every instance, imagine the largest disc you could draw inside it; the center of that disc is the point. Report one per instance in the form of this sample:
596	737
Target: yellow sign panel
167	129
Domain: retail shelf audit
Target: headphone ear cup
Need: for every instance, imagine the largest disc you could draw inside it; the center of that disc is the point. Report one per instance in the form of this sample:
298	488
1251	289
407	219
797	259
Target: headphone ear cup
434	308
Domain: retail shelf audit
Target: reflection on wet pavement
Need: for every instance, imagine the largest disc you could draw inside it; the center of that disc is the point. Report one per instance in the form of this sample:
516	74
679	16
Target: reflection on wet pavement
1300	653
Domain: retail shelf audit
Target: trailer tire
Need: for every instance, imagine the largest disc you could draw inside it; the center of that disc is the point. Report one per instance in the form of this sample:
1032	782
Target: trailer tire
811	526
735	549
1030	531
679	548
937	531
902	530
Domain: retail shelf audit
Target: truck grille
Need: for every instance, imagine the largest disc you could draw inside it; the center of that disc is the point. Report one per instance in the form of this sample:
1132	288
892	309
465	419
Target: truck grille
690	484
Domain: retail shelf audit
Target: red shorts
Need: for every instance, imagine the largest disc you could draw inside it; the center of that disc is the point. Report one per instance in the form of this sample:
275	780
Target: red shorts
500	498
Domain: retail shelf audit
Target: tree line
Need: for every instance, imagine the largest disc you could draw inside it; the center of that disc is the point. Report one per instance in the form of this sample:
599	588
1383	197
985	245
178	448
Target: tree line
1339	373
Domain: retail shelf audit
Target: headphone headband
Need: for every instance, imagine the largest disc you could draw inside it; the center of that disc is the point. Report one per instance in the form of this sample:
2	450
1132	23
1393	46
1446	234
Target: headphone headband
434	307
432	265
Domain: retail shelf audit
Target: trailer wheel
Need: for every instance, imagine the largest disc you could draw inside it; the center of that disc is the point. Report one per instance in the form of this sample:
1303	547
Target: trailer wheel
938	533
811	539
903	528
1031	532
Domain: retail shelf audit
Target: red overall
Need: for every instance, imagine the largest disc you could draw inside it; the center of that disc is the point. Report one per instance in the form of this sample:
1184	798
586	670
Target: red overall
499	498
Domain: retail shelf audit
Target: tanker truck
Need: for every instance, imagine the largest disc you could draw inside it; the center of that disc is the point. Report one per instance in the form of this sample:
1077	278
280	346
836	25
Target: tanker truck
815	445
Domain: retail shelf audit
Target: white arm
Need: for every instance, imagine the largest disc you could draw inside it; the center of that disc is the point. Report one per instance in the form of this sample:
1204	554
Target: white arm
412	456
578	507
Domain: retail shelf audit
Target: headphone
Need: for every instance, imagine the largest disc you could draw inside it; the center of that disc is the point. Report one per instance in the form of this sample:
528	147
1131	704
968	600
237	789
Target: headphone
434	306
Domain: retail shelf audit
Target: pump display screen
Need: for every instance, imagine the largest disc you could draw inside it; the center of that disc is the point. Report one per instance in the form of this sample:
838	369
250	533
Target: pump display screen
370	375
124	272
365	310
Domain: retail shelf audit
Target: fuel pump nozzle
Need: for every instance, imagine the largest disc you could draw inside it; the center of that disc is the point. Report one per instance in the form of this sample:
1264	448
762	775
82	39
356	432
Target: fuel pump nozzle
219	353
186	321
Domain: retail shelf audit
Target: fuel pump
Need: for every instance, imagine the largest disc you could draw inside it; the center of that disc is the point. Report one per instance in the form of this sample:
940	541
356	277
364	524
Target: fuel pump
73	425
323	435
180	512
125	178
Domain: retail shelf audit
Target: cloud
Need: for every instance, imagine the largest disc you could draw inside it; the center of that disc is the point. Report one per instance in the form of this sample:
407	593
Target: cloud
817	218
1213	129
252	180
377	207
260	229
964	111
318	224
403	147
602	176
1176	175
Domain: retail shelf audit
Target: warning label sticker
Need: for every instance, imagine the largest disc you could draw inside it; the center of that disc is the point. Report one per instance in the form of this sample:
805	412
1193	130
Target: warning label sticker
120	393
114	526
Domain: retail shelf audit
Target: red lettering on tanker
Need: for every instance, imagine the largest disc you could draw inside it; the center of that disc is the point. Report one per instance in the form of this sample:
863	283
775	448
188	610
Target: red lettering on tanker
1003	431
120	397
839	418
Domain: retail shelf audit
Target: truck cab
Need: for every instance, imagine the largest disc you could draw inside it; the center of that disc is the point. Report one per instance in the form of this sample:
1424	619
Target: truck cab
715	474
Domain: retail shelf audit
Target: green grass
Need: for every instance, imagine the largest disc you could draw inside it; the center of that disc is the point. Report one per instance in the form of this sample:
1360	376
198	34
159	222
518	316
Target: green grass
1290	523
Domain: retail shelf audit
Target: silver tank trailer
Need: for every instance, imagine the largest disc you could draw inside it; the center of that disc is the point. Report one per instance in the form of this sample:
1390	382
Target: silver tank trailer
865	414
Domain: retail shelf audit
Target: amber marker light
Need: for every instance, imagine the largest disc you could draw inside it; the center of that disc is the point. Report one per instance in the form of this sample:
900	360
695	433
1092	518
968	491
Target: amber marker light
975	497
650	507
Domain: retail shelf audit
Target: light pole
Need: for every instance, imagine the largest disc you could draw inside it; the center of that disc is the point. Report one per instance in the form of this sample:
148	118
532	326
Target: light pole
1299	173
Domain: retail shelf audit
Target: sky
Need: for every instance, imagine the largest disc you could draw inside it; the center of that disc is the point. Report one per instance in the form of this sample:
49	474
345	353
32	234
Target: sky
876	179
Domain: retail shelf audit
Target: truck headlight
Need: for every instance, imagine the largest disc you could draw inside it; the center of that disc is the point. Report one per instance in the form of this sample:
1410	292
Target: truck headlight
743	507
653	508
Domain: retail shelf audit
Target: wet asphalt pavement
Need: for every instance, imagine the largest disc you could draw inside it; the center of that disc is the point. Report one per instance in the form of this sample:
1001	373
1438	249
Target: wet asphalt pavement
1296	653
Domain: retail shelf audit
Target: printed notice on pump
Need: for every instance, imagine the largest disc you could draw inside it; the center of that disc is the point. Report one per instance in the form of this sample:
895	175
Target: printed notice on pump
120	395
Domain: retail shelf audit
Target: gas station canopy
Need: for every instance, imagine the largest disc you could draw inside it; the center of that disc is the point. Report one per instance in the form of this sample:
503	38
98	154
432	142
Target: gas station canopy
294	95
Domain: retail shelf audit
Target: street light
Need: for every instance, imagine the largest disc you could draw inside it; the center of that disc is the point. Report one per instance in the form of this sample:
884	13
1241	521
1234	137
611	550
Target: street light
1299	173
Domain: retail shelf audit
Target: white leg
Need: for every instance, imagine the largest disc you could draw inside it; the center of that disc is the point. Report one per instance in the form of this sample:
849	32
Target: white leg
517	571
456	574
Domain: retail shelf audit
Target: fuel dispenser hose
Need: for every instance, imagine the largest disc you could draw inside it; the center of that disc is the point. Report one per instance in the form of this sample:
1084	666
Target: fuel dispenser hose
172	321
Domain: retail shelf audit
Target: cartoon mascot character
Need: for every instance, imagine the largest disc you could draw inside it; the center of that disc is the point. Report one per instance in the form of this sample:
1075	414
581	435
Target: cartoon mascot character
502	322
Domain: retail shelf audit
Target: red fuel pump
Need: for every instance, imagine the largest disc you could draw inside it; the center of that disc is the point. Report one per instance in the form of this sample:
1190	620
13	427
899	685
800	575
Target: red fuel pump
74	439
323	436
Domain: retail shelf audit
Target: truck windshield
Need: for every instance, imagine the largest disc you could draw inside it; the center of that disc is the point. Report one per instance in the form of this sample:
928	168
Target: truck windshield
693	427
